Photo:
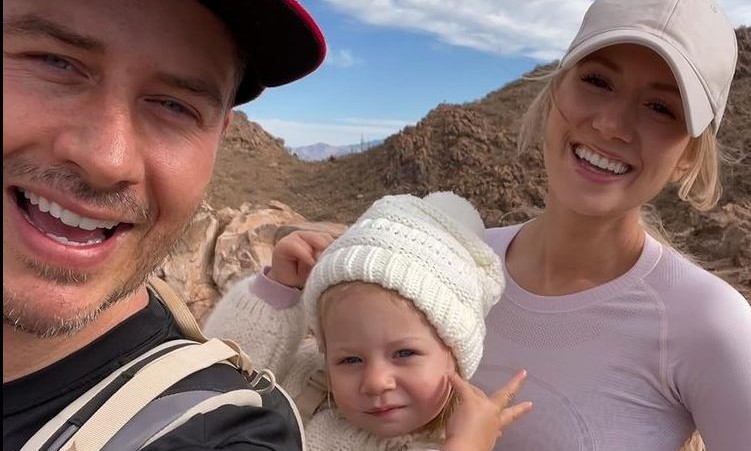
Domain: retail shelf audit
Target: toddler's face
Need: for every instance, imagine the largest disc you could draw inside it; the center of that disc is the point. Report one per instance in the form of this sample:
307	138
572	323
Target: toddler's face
388	368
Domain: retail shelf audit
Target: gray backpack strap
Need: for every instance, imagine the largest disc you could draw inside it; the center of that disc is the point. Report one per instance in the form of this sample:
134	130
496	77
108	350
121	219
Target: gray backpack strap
242	397
167	413
56	427
147	384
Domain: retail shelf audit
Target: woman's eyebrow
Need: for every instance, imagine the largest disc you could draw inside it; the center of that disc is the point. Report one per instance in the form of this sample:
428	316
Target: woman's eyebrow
669	88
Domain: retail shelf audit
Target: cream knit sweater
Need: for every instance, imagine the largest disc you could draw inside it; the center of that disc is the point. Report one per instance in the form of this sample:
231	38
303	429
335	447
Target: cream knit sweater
267	320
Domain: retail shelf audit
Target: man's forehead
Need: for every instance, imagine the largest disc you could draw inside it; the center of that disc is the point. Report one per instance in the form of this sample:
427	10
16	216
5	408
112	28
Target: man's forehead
181	62
38	24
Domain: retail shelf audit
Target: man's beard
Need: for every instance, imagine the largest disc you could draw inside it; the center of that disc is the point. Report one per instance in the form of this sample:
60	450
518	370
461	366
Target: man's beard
149	253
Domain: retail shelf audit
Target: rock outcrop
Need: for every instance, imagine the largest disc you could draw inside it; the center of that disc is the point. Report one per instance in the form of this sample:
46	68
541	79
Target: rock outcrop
221	247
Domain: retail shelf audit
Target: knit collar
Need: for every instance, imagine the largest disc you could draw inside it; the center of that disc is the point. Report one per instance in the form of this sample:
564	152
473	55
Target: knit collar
329	426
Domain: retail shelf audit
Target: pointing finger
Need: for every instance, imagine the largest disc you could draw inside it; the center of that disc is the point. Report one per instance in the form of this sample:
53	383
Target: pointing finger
513	413
506	394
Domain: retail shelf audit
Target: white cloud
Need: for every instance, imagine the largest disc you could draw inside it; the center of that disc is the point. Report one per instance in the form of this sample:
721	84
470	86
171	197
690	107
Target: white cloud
541	29
342	132
341	58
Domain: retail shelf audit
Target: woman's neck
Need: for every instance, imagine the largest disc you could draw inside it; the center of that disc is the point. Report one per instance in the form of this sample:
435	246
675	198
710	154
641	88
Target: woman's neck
559	254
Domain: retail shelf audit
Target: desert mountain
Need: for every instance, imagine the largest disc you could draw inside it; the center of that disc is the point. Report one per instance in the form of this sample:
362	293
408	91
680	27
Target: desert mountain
471	149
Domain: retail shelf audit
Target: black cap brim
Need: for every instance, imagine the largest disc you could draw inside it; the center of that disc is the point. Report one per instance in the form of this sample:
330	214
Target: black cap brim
280	39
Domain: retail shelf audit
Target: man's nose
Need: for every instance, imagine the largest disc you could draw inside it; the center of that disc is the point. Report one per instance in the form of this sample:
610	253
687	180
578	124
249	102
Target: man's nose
103	144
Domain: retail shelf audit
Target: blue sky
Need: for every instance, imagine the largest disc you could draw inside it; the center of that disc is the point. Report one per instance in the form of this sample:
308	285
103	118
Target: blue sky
389	62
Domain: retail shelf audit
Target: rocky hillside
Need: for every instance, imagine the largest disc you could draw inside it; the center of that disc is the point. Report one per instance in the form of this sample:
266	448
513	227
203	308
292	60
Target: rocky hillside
471	149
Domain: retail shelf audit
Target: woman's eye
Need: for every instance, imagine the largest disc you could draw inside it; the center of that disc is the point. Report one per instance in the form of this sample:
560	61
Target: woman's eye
596	80
661	108
403	353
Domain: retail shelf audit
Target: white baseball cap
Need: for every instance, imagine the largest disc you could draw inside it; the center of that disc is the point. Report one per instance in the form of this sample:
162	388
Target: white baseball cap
694	37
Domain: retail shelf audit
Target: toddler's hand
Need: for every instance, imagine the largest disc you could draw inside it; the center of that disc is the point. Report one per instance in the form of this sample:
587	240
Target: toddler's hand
294	256
479	420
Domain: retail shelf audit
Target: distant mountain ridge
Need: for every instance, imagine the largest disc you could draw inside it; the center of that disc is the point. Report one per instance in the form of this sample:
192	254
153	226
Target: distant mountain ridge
322	151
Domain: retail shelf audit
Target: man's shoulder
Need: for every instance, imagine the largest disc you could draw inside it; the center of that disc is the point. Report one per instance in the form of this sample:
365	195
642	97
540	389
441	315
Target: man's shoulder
231	410
235	420
232	427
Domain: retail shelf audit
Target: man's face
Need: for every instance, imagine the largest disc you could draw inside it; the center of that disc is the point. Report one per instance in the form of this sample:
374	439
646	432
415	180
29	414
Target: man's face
113	111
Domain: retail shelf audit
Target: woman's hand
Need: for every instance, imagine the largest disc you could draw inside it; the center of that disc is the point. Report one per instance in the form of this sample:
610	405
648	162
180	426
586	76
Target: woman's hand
479	420
294	256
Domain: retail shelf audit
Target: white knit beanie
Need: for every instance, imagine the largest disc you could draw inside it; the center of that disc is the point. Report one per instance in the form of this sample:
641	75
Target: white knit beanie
431	252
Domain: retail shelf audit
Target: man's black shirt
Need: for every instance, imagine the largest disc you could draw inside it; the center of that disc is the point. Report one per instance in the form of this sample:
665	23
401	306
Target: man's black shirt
31	401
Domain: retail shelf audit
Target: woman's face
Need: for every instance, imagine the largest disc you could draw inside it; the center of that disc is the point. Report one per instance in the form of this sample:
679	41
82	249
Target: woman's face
616	133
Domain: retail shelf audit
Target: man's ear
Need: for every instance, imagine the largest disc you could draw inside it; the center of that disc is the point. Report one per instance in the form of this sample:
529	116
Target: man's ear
227	120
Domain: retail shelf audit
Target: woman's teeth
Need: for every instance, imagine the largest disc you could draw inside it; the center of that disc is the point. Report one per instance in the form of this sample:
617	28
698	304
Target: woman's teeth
599	161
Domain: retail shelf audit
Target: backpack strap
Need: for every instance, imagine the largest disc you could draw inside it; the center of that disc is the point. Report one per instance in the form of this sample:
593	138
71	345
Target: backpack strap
242	397
104	411
188	325
145	386
56	431
184	318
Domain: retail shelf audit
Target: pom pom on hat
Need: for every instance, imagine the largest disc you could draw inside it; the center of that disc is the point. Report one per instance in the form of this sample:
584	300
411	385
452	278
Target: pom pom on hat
432	253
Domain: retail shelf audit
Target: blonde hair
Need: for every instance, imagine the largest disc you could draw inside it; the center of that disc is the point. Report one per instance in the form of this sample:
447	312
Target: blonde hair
693	443
334	292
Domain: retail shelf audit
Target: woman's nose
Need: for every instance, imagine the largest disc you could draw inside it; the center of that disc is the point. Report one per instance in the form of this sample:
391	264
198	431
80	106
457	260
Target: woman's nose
616	119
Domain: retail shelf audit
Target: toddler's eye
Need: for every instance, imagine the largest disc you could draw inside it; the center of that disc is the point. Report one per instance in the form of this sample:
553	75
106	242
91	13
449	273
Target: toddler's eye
403	353
349	360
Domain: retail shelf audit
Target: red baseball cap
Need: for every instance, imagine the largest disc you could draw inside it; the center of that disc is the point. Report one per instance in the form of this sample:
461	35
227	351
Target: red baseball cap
282	41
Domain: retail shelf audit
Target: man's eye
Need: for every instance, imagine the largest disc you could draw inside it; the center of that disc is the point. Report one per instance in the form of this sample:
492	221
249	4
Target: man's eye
55	61
175	107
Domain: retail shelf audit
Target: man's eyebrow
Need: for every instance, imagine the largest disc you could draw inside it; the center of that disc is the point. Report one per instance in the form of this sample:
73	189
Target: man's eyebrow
35	25
197	86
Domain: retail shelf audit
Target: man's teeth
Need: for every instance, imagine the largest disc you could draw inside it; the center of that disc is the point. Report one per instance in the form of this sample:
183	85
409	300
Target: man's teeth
601	162
67	217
